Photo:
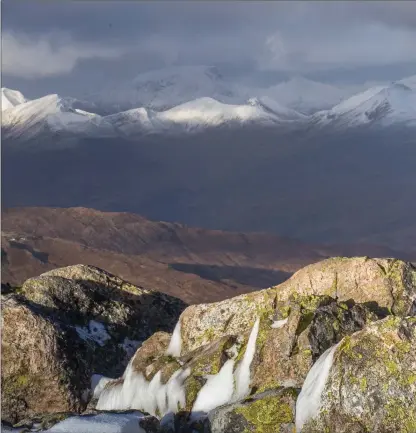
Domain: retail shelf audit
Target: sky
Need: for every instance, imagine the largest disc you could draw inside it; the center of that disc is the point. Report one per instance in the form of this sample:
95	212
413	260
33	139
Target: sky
76	47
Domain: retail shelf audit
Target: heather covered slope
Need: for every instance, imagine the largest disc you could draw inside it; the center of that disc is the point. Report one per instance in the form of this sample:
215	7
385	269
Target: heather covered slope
194	264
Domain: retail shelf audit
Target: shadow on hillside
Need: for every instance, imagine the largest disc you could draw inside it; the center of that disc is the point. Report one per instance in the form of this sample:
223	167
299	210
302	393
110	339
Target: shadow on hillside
255	277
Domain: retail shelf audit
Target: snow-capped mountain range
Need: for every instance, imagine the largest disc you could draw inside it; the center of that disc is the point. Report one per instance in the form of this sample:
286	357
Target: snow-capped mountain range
197	98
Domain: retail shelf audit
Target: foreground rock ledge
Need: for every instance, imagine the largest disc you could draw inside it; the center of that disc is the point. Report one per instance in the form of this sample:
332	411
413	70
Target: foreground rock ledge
254	351
66	325
387	283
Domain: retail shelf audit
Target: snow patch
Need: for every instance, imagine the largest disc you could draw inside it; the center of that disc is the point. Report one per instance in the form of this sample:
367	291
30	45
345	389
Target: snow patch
309	399
130	346
101	423
175	344
95	331
279	323
242	372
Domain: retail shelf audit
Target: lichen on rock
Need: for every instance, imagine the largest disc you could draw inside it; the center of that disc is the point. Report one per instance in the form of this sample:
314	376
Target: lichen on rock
270	412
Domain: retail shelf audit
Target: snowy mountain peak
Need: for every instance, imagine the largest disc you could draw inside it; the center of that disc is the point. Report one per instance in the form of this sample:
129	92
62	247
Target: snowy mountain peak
10	98
210	112
380	105
51	113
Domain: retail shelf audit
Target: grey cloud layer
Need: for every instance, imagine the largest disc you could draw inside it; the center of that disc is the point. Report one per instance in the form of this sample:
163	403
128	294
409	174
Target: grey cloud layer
286	36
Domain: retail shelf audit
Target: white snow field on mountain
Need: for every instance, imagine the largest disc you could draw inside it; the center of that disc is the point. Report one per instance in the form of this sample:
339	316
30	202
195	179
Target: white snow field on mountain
10	98
191	99
384	105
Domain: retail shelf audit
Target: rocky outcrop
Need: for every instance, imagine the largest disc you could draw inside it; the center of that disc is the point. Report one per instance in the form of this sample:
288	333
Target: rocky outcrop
306	327
385	283
371	383
66	325
340	332
203	323
390	283
275	354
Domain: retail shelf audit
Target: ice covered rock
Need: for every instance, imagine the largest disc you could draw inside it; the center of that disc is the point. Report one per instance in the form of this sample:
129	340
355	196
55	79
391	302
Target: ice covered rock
66	325
371	382
197	382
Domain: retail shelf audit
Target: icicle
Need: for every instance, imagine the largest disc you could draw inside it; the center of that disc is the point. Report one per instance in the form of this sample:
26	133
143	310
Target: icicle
217	391
175	344
309	399
242	373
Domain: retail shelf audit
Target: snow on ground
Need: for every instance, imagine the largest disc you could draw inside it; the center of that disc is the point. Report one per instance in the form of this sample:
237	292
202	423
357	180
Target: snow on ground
101	423
130	346
95	331
309	399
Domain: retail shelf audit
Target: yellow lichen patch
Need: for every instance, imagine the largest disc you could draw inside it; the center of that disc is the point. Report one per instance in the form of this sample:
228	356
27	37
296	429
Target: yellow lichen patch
269	414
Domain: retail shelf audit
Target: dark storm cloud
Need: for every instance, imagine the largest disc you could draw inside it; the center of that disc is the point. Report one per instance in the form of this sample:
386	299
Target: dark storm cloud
42	39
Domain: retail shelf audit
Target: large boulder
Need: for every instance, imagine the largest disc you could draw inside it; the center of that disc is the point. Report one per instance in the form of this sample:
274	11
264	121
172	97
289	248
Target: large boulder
66	325
304	328
385	283
367	383
390	283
